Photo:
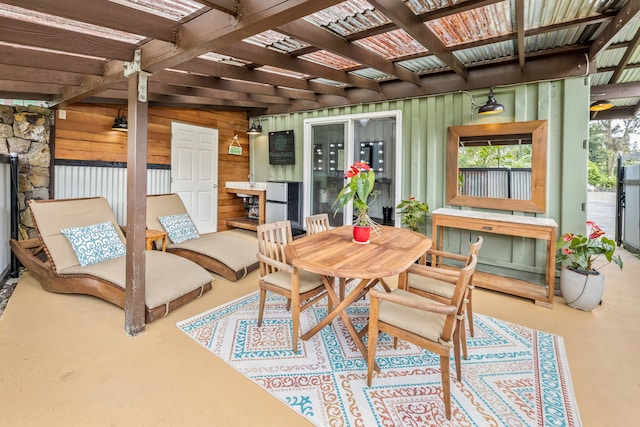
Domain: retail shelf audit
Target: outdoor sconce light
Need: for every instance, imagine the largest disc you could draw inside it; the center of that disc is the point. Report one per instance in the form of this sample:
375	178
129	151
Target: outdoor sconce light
255	129
120	123
600	105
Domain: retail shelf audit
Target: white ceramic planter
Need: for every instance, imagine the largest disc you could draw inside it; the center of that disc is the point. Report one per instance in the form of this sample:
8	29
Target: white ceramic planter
580	290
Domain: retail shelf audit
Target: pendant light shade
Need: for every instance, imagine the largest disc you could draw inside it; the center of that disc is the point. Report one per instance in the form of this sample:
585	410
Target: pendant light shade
491	106
120	123
255	129
601	105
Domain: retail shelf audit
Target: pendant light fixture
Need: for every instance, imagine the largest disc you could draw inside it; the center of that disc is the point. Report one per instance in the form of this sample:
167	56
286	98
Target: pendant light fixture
491	106
601	105
120	123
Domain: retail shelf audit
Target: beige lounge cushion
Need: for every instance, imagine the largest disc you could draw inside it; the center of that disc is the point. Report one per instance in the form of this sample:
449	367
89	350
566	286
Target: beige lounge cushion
423	323
235	252
236	248
308	281
431	285
167	276
53	216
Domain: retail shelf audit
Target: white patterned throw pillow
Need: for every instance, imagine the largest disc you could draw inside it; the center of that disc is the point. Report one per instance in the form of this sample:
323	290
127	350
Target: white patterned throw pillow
179	227
95	243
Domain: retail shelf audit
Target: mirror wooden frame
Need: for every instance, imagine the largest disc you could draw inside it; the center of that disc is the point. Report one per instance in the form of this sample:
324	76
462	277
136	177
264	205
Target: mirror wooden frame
538	131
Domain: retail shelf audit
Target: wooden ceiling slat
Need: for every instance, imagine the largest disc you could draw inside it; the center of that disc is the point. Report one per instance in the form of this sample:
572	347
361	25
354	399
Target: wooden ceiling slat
105	13
239	73
249	52
627	14
42	36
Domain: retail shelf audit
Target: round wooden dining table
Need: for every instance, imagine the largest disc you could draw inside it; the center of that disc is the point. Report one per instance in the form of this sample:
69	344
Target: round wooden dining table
333	253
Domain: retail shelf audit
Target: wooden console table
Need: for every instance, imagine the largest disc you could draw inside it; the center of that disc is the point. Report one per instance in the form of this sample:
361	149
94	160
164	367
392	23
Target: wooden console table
511	225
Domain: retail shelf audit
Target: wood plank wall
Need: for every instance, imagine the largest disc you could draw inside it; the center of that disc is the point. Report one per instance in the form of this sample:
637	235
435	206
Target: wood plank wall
85	134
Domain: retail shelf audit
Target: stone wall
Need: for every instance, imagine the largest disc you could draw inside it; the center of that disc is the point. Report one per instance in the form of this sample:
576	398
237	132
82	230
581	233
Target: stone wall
26	131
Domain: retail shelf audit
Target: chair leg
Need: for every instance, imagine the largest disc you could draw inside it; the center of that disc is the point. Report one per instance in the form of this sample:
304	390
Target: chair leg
263	297
456	349
446	385
470	312
463	340
342	284
295	315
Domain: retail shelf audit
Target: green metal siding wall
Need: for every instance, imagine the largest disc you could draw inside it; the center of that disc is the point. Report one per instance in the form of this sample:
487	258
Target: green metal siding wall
563	103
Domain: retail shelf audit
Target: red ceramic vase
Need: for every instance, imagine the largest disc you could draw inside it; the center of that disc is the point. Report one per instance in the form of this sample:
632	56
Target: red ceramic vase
361	233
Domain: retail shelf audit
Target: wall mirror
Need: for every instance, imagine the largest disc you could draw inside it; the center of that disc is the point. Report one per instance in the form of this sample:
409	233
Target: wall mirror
498	166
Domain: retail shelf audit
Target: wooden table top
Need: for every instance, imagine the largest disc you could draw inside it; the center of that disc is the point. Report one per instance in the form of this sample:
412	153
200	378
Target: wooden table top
333	253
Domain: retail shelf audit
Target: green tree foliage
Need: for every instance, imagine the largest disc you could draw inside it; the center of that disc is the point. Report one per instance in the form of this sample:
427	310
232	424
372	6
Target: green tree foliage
607	138
502	156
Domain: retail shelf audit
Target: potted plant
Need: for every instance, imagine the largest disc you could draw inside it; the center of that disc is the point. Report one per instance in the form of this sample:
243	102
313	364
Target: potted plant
359	188
413	213
581	283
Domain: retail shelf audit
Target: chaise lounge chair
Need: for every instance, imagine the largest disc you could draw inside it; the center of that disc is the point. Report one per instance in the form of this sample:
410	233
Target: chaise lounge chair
231	253
170	281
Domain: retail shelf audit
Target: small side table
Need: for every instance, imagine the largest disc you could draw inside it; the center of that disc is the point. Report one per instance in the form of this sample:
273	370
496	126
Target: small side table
153	235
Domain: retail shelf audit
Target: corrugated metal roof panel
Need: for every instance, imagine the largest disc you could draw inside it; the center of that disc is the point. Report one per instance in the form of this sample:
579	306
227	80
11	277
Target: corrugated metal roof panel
552	39
392	44
610	57
276	41
424	64
630	75
170	9
485	53
476	24
329	59
549	12
628	33
328	82
371	73
626	102
599	79
422	6
348	17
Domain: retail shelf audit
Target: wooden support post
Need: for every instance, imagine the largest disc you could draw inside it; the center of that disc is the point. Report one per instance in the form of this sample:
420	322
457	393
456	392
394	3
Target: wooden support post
136	206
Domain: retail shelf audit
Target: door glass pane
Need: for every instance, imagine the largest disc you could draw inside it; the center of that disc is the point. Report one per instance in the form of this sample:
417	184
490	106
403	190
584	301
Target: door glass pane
375	144
328	169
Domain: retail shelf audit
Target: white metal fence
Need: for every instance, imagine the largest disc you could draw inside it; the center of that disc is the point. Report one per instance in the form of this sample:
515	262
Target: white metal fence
5	214
109	182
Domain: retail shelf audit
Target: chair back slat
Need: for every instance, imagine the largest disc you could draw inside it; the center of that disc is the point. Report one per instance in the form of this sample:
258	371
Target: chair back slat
458	296
317	223
272	240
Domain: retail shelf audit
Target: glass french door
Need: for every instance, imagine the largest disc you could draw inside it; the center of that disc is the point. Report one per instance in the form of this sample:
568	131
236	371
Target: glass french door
329	160
333	144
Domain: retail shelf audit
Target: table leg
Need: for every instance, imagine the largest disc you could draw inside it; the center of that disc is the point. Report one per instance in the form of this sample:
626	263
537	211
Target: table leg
340	305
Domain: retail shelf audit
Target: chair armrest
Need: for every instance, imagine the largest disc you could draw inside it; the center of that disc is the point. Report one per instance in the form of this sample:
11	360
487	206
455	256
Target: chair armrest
449	276
450	255
279	265
408	302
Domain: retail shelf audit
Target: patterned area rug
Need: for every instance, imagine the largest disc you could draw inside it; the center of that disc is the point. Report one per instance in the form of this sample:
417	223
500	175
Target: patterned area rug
515	376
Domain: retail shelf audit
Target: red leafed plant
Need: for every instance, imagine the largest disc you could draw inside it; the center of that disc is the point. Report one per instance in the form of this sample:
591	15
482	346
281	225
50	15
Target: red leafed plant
579	252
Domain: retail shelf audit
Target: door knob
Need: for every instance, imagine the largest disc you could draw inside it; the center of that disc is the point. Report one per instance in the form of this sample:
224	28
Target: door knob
215	185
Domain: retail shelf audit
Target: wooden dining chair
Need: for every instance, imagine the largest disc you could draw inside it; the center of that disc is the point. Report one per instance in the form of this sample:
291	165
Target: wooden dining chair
317	224
437	281
300	287
421	321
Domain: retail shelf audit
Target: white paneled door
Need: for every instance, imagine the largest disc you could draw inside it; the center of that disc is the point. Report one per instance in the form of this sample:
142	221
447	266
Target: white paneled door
194	172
